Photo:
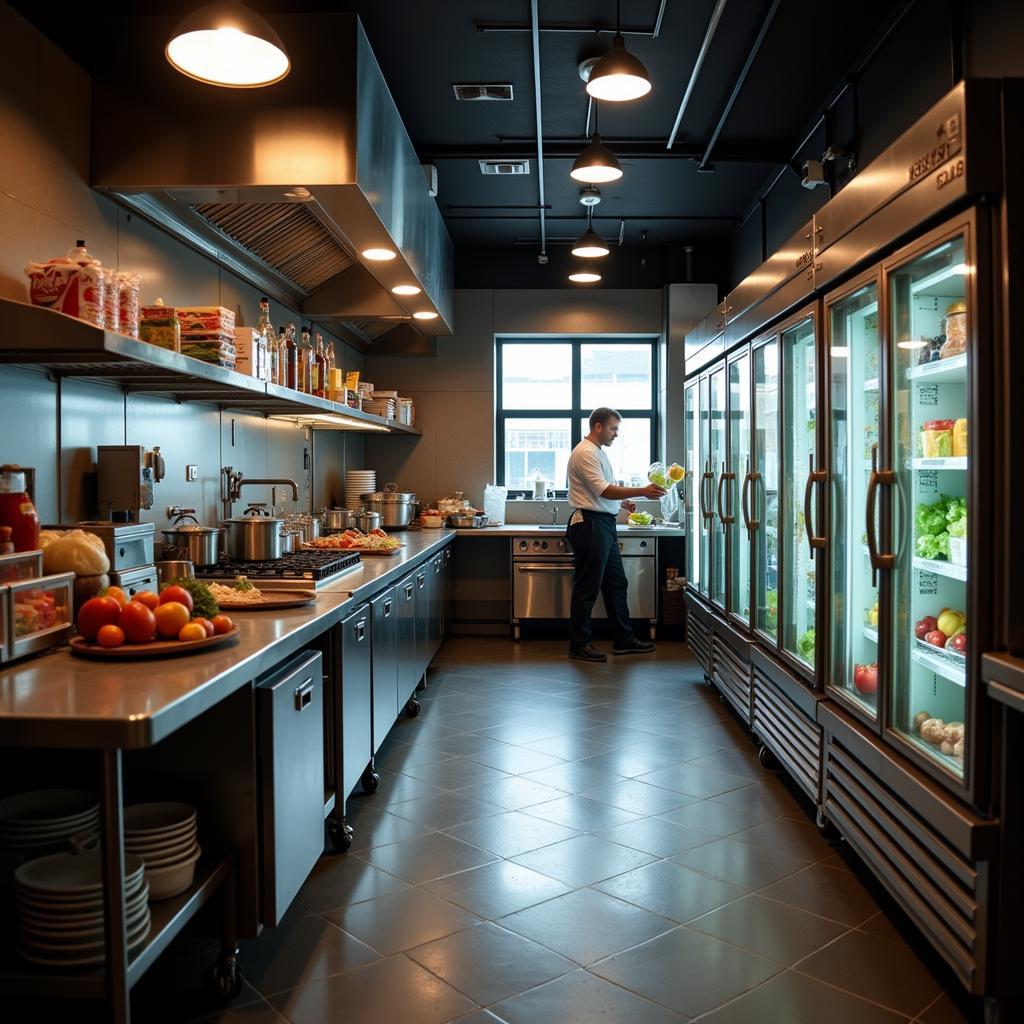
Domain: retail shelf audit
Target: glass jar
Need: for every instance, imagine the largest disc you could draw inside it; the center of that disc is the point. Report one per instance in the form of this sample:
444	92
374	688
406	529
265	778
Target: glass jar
17	510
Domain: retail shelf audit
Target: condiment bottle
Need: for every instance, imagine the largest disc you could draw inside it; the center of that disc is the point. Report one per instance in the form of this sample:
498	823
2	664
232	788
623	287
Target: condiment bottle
291	360
16	509
319	368
305	351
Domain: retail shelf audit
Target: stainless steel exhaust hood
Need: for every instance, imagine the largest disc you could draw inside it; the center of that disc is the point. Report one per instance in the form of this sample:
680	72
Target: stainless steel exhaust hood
284	185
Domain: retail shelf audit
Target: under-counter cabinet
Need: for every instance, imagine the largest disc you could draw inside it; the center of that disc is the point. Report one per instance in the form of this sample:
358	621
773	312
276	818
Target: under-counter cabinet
289	704
409	671
384	663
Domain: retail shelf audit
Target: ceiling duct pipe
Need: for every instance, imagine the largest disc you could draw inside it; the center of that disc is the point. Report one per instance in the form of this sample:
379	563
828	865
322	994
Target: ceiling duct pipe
716	15
535	35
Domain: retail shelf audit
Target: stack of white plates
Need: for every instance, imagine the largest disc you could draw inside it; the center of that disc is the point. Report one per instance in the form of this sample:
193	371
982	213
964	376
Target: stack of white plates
163	835
357	483
60	908
44	820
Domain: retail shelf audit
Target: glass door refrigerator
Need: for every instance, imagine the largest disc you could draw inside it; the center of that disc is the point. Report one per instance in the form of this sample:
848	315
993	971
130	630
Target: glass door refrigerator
854	612
717	479
800	505
735	490
692	484
760	501
935	481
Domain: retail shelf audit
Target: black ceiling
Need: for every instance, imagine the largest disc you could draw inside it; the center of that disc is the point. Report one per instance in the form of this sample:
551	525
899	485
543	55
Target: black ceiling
424	47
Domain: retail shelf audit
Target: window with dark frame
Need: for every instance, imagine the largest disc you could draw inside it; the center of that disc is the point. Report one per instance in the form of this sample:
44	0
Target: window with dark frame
546	389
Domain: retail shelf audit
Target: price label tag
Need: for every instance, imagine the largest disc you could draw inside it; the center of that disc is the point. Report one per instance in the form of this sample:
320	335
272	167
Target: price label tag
928	395
927	481
928	584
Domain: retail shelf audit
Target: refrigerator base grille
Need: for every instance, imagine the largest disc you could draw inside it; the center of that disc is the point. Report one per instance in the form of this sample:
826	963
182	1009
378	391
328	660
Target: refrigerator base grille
944	890
732	676
698	636
794	739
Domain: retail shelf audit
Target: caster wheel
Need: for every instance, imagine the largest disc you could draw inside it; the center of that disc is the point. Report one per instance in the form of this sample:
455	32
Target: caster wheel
825	827
412	707
766	757
340	835
369	780
421	686
224	978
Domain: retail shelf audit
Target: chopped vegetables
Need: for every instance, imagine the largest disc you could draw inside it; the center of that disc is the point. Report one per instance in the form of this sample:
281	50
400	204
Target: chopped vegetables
640	519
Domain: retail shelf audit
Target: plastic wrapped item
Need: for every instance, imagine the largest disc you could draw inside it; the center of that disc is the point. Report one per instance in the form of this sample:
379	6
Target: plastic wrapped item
128	285
160	326
494	504
956	330
937	439
73	284
111	299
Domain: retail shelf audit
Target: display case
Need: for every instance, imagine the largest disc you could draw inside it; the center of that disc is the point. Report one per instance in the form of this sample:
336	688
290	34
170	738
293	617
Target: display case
930	322
39	613
717	452
707	478
762	503
24	565
692	483
801	498
851	318
735	488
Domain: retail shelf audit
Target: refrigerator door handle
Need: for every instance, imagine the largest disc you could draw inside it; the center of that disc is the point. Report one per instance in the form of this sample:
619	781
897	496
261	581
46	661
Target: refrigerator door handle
724	519
813	477
709	482
749	523
878	478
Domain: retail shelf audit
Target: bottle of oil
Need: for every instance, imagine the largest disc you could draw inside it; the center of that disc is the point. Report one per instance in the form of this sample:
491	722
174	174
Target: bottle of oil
319	368
291	353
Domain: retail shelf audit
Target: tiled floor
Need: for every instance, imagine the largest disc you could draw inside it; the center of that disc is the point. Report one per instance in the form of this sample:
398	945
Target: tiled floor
555	842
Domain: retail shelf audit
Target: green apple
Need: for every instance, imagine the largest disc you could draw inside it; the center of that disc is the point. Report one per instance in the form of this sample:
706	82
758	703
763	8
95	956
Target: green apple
950	622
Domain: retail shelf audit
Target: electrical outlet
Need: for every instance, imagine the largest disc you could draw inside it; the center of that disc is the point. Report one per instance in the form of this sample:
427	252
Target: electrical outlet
191	474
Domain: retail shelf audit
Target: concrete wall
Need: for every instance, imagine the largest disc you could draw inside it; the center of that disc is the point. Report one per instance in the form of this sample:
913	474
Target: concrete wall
45	205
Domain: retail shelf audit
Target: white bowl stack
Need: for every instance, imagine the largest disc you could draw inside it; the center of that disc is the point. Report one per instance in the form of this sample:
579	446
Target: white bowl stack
357	483
44	820
60	908
163	835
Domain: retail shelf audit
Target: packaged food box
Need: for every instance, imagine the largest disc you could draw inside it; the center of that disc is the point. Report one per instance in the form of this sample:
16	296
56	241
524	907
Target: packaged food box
960	439
69	287
937	439
207	318
251	352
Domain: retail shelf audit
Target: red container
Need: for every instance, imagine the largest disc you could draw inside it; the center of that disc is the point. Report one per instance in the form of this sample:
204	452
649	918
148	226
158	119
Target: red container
17	510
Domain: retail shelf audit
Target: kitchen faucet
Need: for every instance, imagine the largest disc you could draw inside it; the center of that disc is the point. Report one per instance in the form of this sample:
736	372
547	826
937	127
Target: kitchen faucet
232	483
554	513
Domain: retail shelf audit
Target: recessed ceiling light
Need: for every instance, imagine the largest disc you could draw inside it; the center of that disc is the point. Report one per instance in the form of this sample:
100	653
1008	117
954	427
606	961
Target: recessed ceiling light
618	76
596	165
406	289
229	45
425	314
379	254
585	276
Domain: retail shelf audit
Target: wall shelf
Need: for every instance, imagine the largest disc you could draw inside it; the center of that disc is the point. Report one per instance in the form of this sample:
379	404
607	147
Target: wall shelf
940	665
954	463
943	371
940	568
36	337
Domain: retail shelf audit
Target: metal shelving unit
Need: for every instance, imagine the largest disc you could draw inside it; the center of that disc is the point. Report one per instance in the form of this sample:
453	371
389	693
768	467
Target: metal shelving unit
38	337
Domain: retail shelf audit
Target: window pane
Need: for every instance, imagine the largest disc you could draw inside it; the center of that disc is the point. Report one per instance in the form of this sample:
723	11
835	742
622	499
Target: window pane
630	453
536	444
617	375
536	376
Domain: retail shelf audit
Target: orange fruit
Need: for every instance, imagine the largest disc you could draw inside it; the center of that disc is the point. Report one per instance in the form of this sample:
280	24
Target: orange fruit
222	624
117	594
192	631
170	618
148	598
110	636
205	623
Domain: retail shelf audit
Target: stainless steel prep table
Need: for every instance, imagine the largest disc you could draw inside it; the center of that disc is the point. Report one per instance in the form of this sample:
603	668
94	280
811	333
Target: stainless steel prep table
57	701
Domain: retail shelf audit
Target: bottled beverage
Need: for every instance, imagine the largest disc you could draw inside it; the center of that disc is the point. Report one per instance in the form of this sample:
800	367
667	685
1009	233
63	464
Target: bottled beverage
319	368
330	360
264	326
276	347
17	510
305	352
291	360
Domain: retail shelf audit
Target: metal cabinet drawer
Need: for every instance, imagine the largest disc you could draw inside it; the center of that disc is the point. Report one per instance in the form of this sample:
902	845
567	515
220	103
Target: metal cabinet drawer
384	664
289	702
356	697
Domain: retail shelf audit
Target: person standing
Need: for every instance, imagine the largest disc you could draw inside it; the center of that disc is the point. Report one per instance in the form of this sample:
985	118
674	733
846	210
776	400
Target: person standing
595	500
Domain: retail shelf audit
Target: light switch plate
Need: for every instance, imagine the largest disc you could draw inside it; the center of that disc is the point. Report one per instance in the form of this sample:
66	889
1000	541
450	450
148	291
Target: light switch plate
191	474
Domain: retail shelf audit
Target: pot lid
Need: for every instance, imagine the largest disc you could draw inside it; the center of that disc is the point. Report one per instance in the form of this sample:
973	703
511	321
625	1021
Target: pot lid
192	528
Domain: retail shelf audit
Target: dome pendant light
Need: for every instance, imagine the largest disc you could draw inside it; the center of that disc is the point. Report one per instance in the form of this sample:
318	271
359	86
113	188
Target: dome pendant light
590	245
596	165
229	45
584	275
618	76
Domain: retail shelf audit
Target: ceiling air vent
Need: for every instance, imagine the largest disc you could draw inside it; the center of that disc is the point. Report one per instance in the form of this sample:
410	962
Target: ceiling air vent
473	93
504	166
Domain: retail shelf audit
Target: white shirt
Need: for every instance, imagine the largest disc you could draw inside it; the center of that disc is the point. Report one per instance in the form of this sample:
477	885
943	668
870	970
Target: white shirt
590	472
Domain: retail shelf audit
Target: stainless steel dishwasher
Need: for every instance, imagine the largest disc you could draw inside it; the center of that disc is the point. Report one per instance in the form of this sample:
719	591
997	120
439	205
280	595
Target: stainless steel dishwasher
542	579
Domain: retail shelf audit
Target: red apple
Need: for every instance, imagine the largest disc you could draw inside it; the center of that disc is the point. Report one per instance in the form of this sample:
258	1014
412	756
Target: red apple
865	678
925	626
958	643
936	638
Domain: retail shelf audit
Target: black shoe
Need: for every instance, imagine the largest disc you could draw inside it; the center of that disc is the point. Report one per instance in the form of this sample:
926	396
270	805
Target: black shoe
634	647
587	653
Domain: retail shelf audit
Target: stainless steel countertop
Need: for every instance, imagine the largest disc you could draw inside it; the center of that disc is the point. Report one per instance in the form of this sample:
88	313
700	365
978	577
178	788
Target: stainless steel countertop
58	700
533	529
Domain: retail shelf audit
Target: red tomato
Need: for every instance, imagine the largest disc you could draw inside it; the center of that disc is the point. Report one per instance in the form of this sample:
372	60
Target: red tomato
110	636
179	594
170	618
222	624
138	623
96	613
117	594
205	623
192	631
148	598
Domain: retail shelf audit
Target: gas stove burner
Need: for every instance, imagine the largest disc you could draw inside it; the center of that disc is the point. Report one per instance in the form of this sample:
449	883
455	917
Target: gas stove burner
301	566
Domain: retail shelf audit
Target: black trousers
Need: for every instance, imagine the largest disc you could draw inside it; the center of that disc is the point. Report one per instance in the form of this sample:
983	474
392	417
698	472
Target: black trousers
597	569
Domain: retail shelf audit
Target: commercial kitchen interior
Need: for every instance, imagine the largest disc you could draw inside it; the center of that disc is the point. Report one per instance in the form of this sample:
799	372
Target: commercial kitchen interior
407	803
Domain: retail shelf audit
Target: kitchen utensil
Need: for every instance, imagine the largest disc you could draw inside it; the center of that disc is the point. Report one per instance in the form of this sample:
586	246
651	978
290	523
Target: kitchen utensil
272	600
429	522
367	521
337	519
157	818
254	537
172	879
396	508
191	540
72	876
290	541
467	522
176	569
308	527
156	649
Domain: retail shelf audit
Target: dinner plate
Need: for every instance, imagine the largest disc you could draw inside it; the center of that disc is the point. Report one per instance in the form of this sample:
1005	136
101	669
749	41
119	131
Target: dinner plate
158	817
70	875
46	807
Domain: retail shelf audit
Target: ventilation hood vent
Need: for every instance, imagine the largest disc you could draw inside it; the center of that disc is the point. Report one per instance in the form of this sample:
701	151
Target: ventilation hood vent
504	166
472	93
285	185
285	236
